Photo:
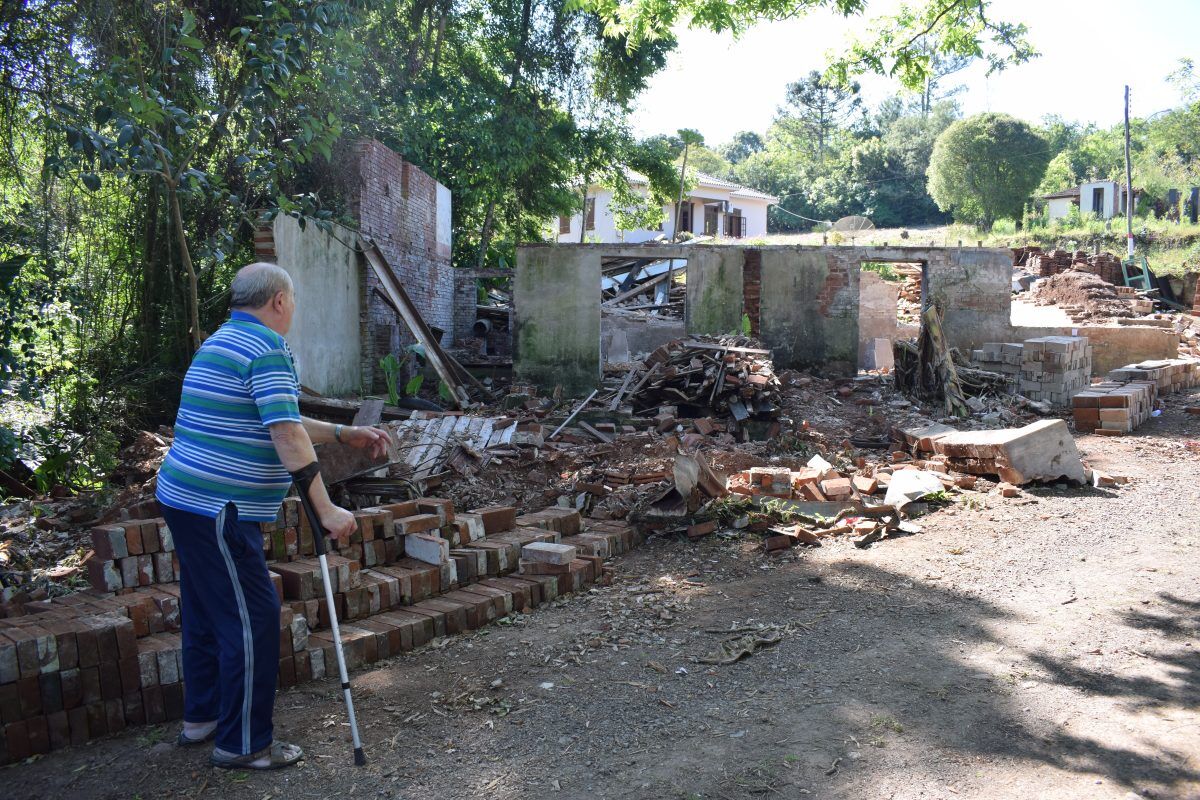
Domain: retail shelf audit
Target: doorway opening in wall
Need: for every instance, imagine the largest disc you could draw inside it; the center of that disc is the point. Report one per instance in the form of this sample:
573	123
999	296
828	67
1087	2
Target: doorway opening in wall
890	300
908	280
641	305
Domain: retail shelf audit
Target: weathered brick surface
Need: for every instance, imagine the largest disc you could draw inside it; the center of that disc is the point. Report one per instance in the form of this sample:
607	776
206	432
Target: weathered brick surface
395	204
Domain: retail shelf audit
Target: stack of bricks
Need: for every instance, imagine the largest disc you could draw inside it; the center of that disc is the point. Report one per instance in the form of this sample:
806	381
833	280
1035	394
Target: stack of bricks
1047	264
1110	408
1107	267
1168	375
1054	368
132	554
83	665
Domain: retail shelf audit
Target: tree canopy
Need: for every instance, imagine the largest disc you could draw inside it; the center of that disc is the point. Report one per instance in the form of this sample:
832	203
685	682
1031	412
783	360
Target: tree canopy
985	167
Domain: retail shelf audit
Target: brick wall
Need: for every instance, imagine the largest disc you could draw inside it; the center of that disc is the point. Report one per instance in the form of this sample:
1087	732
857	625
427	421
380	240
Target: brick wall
396	205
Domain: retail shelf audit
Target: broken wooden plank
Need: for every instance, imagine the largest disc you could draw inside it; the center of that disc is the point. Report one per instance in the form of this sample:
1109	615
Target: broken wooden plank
601	435
616	401
369	413
707	346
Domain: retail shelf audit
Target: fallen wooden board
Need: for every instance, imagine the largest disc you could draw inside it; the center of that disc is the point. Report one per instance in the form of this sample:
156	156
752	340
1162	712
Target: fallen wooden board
412	318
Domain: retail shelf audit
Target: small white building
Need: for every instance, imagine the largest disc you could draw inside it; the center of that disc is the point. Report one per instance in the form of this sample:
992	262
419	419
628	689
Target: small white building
1102	199
715	207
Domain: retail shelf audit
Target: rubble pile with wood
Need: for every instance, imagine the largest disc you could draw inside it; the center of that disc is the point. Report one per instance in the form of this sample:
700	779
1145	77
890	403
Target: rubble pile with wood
700	378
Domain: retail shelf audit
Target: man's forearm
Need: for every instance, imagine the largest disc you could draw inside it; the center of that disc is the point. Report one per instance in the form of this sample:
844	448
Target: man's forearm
295	450
320	432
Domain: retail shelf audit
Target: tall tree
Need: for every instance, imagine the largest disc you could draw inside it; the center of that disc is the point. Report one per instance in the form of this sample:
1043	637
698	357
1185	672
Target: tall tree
985	167
743	145
822	106
689	137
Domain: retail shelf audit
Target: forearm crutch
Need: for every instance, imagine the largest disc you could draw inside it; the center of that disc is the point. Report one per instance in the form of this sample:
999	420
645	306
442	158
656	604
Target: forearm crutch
304	478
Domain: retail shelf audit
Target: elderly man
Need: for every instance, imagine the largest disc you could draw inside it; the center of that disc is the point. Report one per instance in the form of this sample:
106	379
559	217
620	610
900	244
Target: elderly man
239	437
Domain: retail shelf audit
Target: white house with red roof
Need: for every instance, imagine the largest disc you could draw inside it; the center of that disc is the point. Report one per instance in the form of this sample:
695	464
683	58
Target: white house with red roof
714	207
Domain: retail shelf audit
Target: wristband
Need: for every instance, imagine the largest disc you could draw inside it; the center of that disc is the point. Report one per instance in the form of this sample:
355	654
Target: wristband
337	433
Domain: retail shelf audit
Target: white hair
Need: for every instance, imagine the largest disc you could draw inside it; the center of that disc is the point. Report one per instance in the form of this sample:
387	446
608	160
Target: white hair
256	284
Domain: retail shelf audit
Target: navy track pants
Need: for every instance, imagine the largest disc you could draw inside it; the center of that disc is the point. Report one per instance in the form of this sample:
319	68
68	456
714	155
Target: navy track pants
230	616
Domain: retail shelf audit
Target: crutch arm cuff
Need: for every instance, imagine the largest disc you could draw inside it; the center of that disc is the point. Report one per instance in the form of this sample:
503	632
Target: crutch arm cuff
305	476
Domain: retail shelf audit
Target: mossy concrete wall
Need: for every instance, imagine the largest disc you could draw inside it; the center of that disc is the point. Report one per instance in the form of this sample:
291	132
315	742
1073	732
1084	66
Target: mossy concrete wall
809	308
714	291
556	300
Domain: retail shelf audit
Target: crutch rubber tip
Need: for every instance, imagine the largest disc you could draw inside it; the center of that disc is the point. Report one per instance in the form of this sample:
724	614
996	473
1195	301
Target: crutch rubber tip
360	758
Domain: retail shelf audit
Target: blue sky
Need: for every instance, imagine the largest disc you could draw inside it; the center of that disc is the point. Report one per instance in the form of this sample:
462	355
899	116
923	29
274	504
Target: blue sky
720	85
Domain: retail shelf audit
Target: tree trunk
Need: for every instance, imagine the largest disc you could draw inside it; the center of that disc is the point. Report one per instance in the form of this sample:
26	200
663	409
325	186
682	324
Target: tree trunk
519	60
185	256
485	234
679	205
587	179
149	310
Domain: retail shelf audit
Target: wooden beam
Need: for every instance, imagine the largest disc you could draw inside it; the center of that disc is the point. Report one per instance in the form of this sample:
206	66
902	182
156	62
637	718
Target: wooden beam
412	318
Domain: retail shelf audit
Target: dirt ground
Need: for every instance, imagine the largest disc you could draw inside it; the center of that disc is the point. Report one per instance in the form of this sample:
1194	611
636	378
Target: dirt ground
1038	647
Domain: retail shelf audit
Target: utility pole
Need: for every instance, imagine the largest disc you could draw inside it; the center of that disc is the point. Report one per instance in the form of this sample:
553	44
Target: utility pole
1128	185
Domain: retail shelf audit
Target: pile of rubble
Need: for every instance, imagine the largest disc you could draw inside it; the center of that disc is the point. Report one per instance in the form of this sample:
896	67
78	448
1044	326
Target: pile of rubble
700	378
1083	296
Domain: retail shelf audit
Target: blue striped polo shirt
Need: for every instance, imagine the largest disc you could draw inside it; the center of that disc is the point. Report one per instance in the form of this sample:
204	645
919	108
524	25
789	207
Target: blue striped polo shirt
242	380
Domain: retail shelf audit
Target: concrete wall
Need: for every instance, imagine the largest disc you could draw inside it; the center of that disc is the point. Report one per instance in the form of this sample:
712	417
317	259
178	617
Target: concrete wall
809	307
556	298
324	335
1058	207
808	300
714	290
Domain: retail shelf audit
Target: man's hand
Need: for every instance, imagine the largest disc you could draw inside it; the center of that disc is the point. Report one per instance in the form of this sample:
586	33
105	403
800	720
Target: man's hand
373	439
338	522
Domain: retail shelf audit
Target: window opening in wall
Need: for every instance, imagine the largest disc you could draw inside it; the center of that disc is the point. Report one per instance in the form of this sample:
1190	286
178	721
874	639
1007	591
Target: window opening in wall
710	220
564	224
1098	201
589	213
641	305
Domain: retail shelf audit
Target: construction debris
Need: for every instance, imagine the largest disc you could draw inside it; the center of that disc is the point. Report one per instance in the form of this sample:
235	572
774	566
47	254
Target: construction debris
1043	451
702	378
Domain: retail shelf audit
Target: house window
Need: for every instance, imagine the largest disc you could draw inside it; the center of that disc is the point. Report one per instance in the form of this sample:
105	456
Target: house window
735	224
710	220
589	213
564	224
1098	201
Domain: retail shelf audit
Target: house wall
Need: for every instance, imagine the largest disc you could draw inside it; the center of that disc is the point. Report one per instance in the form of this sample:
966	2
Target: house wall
753	209
1058	207
1108	207
407	213
327	275
755	212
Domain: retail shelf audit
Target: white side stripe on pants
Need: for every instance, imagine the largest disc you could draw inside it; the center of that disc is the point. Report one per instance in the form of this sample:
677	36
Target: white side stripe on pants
247	634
